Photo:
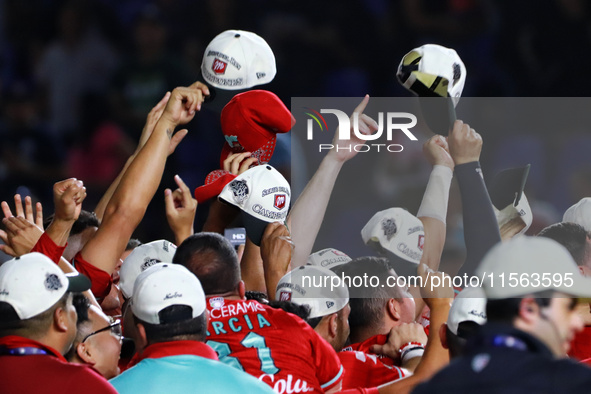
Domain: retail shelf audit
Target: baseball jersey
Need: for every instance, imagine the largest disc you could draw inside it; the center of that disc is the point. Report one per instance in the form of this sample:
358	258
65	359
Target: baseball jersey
366	370
580	347
45	372
366	345
278	348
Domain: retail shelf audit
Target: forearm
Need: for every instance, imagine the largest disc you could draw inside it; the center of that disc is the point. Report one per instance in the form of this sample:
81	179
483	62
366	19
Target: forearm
308	212
102	205
59	231
481	231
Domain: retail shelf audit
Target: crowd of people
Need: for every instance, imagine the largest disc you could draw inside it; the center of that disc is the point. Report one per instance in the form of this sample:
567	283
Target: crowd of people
87	307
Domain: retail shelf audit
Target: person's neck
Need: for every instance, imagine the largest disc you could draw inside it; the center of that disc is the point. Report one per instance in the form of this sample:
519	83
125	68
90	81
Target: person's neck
363	334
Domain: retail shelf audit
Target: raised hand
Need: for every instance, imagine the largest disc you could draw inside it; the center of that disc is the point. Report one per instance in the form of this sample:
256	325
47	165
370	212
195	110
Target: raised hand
67	197
180	210
184	102
436	150
399	336
26	212
237	163
20	236
343	149
465	143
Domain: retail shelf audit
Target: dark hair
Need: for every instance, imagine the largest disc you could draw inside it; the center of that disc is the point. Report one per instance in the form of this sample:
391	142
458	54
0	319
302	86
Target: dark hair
301	311
257	296
85	220
81	304
190	329
212	259
132	244
34	327
456	343
505	310
570	235
368	303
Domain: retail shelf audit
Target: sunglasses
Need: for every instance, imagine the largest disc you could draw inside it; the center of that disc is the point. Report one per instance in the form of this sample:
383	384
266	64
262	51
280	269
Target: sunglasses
114	327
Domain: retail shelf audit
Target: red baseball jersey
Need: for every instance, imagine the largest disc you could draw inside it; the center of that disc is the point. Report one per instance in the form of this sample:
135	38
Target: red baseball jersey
276	347
580	347
365	345
364	370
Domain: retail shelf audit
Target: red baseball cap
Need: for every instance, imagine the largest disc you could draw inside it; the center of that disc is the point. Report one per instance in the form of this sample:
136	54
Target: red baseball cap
214	183
250	122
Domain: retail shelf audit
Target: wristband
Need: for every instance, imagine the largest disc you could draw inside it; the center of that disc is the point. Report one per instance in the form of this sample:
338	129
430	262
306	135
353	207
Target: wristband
409	345
436	197
412	353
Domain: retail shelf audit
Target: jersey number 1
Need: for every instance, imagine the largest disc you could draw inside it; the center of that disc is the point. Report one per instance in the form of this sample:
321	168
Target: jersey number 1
251	340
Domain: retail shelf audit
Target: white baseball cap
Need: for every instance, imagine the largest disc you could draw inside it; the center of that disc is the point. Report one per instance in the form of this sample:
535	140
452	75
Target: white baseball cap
536	264
32	284
263	195
164	285
319	288
237	59
469	305
142	258
580	213
521	210
397	234
328	258
433	70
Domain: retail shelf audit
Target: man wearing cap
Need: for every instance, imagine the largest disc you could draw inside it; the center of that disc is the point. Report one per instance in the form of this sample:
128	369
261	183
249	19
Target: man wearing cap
98	340
576	240
328	299
169	309
276	347
467	313
530	325
38	326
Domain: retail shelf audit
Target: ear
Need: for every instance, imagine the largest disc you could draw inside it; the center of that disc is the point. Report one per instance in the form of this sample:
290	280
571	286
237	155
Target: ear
443	335
242	289
141	338
529	310
60	319
83	350
333	325
582	270
393	309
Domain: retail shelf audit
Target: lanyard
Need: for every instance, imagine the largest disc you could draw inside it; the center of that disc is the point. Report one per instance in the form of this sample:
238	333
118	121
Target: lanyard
21	351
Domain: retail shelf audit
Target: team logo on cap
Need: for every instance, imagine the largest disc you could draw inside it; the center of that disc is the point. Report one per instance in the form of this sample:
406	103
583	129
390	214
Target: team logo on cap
389	227
148	262
280	200
218	66
53	282
421	244
329	304
239	189
284	296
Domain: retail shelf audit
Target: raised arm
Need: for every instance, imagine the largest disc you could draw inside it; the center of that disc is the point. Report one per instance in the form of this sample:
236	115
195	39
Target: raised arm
307	214
138	184
481	230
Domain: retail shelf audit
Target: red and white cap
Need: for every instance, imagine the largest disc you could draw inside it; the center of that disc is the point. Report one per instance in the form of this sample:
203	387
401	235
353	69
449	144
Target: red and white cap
238	59
263	195
142	258
32	284
250	122
165	285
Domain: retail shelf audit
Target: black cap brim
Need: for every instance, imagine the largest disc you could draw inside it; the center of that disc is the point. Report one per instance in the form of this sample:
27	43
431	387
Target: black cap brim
507	186
77	282
439	113
255	227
